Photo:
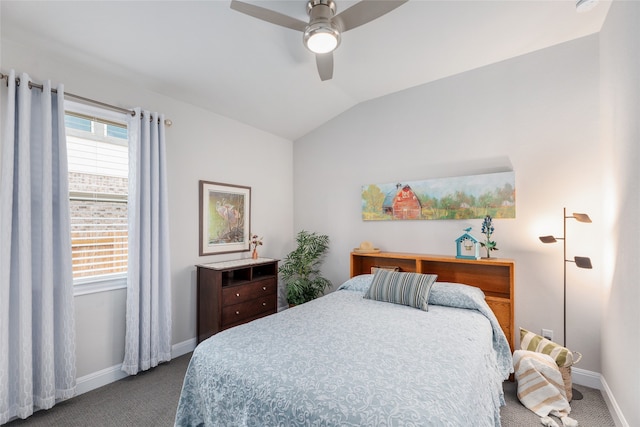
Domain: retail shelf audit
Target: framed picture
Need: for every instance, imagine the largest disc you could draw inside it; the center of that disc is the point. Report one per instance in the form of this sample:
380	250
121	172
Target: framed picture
459	197
225	218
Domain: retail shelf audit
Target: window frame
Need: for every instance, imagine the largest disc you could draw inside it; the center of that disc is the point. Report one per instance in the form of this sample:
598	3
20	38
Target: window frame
91	285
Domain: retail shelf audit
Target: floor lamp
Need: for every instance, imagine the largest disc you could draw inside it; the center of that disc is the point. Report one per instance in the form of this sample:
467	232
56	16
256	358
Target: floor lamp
581	262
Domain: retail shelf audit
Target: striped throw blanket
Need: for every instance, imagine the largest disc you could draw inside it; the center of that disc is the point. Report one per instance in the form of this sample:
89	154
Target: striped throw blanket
541	388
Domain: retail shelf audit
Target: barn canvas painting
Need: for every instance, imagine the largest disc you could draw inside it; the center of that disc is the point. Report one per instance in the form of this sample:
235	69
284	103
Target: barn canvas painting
224	218
464	197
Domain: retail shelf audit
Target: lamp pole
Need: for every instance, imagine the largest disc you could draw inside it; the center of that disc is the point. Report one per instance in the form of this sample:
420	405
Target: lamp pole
564	263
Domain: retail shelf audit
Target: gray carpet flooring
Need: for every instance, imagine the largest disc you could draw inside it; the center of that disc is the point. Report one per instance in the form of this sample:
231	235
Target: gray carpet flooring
147	399
151	399
590	411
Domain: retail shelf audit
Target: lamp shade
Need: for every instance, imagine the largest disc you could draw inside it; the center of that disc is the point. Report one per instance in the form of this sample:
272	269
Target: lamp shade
581	217
548	239
583	262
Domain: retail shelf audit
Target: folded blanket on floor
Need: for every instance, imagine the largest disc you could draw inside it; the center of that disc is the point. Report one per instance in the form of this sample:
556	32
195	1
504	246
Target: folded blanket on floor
541	388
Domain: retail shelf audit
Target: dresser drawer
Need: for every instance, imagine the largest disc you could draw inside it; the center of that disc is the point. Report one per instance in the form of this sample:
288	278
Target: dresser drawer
232	295
236	313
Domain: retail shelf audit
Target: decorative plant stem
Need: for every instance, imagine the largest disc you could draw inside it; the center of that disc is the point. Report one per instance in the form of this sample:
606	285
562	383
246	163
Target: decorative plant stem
487	230
255	242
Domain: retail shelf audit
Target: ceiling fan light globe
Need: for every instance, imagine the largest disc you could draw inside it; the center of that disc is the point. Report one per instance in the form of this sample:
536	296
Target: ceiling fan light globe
321	39
583	6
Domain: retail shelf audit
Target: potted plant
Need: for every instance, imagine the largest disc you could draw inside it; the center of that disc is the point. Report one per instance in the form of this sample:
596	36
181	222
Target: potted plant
300	270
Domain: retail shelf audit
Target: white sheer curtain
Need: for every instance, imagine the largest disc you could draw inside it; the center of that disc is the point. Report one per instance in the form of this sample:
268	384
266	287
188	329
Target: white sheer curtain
37	331
148	325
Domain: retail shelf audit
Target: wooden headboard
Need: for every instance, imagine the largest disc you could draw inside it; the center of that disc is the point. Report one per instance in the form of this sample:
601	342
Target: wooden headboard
493	276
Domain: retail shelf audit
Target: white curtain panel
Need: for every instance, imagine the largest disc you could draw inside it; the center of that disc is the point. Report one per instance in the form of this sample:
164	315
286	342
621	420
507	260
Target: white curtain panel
37	330
148	324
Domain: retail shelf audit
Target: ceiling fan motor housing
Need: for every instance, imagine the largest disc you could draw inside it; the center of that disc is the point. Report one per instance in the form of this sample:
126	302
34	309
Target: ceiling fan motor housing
329	5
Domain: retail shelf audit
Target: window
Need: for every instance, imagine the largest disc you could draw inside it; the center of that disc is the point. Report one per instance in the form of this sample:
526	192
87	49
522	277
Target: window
98	162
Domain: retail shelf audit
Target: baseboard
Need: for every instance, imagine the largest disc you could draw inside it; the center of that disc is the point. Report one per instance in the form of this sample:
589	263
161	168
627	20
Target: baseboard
586	378
99	379
114	373
614	409
595	380
183	347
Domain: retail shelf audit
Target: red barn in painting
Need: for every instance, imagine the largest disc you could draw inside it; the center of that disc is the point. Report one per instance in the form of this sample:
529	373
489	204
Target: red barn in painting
405	204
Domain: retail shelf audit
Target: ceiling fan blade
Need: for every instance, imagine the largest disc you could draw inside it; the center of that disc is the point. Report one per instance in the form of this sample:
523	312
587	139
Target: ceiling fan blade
269	15
365	11
324	61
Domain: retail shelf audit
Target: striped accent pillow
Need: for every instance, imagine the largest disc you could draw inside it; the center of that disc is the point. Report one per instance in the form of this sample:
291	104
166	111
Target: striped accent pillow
534	342
410	289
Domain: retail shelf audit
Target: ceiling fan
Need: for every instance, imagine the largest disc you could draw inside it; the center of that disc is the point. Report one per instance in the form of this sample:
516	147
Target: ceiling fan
321	35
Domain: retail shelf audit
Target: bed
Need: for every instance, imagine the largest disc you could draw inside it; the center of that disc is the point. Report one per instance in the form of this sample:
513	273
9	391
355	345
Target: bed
346	360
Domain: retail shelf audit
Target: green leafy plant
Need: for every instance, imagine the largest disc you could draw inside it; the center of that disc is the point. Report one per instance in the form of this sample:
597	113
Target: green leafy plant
300	270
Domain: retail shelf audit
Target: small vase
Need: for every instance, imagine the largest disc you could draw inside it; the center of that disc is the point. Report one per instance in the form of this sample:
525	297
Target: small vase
488	253
254	255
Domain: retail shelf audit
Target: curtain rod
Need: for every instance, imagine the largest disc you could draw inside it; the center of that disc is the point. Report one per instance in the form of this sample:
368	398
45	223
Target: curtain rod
3	76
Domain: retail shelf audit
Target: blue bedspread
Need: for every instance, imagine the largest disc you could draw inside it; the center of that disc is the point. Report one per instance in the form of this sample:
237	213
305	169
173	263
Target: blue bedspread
343	360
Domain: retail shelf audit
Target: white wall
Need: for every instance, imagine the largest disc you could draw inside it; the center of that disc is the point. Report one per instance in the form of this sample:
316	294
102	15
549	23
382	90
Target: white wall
620	62
200	146
537	115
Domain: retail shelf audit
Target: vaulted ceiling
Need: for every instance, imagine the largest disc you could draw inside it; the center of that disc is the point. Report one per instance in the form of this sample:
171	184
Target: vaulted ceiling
204	53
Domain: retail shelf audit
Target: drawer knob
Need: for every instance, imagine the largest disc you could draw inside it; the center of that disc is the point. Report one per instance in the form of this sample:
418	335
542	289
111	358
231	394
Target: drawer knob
264	303
264	288
238	295
237	312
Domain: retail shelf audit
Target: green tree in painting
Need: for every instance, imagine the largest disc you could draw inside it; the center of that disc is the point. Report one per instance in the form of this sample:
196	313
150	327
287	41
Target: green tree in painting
429	206
447	206
506	193
374	198
485	201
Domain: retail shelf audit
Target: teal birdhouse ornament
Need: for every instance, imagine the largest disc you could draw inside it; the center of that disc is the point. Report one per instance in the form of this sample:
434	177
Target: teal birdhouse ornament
467	246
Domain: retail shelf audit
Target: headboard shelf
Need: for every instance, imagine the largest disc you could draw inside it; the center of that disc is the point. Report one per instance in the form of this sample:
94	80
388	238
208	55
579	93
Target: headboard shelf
495	276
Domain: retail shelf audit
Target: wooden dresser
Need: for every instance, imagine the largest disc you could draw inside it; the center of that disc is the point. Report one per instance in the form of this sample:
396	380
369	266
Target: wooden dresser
495	276
234	292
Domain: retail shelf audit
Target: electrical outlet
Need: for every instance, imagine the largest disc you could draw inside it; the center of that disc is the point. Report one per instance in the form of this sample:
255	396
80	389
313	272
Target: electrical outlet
548	334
